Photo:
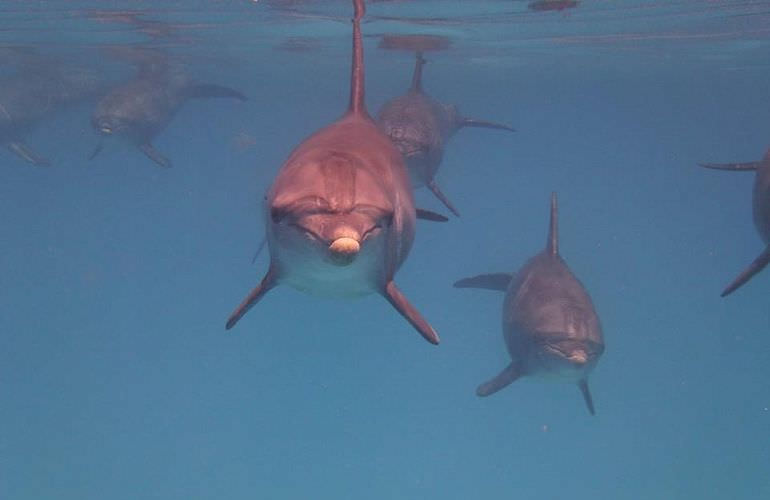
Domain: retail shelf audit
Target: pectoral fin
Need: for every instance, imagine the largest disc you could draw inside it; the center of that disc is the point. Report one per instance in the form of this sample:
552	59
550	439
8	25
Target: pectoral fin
493	281
97	150
25	153
583	385
470	122
407	310
423	214
154	155
209	90
504	378
267	283
732	166
436	191
756	266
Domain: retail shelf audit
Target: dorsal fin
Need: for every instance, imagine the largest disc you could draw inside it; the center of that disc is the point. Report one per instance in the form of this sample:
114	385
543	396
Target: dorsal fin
552	245
357	105
419	62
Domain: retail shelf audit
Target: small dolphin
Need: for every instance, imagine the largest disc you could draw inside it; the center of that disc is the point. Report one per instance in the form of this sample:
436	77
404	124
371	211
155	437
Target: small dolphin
142	107
420	127
761	208
550	326
545	5
37	91
340	217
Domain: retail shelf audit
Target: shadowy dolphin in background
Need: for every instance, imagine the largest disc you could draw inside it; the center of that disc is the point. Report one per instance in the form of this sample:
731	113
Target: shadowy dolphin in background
340	217
40	87
420	127
142	107
550	326
761	208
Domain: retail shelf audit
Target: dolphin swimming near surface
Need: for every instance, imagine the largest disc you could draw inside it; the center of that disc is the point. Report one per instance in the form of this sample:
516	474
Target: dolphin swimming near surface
340	217
761	209
139	109
39	89
420	127
550	326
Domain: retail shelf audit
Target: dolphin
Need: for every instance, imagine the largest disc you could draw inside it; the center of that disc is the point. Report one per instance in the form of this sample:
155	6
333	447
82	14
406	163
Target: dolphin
420	127
37	91
545	5
139	109
550	326
339	216
761	209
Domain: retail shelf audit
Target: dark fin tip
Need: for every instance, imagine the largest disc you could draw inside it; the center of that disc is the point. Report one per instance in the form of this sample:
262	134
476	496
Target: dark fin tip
423	214
755	267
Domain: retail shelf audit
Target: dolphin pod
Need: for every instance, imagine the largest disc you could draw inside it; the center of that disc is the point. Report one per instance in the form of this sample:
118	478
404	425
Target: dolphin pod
340	217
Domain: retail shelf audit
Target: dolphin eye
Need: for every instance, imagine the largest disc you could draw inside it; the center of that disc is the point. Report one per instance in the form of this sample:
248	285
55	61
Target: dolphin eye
277	214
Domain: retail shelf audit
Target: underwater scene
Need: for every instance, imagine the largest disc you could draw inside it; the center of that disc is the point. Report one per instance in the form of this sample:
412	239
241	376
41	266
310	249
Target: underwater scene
384	249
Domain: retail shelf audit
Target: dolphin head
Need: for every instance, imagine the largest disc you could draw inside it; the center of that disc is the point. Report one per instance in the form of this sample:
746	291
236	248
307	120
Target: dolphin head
329	213
108	124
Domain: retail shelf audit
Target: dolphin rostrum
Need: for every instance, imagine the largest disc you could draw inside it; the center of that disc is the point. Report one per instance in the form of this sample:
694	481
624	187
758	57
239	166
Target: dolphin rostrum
340	217
550	326
420	127
761	208
139	109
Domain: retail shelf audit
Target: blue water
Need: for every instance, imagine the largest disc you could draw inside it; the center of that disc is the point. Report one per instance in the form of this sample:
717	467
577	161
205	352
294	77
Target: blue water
118	380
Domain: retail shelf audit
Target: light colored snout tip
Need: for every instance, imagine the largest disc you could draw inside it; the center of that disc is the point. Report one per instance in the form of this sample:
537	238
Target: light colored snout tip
344	250
579	357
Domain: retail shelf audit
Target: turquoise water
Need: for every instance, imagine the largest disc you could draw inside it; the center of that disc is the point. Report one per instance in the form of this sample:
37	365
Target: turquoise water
118	380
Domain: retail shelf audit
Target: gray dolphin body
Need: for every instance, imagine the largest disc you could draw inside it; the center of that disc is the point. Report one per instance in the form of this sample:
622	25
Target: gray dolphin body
139	109
34	94
420	127
340	217
550	325
761	209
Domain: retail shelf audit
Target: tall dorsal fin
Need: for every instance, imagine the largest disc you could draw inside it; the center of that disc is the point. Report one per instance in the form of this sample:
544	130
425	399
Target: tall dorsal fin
552	245
419	62
357	105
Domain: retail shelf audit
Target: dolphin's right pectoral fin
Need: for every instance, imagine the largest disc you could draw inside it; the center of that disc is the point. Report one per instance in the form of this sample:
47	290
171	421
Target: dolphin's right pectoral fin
25	153
407	310
154	155
423	214
259	250
268	282
493	281
440	195
756	266
504	378
583	385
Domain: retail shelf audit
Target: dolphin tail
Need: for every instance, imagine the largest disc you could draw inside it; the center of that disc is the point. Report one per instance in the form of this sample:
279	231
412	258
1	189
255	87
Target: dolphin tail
407	310
97	150
493	281
583	385
210	90
441	196
471	122
756	266
552	245
502	379
732	166
267	283
25	153
431	216
154	155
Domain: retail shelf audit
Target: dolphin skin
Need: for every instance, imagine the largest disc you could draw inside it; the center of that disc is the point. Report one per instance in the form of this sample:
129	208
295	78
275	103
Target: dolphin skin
550	326
340	217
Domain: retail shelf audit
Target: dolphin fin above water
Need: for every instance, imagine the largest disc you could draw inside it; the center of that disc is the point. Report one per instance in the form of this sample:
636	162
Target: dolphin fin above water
25	153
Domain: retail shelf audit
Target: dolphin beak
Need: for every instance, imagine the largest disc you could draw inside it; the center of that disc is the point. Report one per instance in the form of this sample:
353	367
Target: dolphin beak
106	130
344	250
578	357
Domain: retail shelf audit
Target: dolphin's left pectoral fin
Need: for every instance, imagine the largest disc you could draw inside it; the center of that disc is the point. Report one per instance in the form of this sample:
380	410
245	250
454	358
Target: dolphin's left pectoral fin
423	214
97	149
267	283
25	153
471	122
210	90
440	195
583	385
756	266
492	281
407	310
154	155
503	379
